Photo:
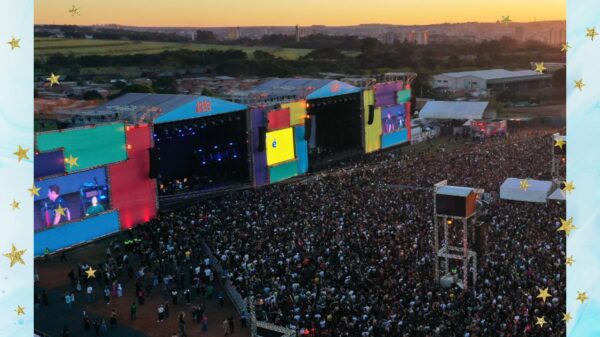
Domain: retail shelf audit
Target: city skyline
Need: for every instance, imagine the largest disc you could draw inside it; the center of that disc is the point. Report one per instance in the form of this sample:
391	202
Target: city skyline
184	13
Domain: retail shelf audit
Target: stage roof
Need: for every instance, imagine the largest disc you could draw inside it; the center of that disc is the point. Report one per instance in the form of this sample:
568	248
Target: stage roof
537	191
162	108
310	88
455	191
456	110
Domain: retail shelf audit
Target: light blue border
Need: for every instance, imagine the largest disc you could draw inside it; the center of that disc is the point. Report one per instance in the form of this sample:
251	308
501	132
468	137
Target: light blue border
583	167
16	128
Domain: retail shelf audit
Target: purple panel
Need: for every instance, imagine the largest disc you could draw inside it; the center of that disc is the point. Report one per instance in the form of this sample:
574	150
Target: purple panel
385	93
49	164
261	173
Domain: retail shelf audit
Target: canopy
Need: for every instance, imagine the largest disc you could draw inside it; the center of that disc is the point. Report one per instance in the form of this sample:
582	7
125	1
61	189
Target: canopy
558	194
334	88
201	106
537	190
456	110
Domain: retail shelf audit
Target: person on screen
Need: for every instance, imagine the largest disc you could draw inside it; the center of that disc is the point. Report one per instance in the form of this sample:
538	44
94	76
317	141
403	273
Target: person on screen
55	203
389	126
95	208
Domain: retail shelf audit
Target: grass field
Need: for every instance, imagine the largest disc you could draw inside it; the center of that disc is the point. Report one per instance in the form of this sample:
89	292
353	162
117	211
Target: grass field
80	47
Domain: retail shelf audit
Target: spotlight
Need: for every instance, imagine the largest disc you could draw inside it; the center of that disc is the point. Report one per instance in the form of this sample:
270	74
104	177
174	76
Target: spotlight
449	222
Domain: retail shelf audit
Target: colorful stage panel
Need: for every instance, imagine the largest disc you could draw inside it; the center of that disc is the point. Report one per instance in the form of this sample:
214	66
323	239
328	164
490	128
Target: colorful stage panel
75	233
133	193
259	157
280	146
403	96
49	164
301	149
201	107
92	146
297	111
392	139
283	171
278	119
385	93
82	194
372	131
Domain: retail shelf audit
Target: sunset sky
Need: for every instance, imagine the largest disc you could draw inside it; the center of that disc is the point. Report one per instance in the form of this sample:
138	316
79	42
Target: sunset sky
214	13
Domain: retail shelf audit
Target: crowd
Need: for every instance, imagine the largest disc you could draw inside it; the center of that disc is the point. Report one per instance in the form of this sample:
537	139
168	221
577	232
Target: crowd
349	252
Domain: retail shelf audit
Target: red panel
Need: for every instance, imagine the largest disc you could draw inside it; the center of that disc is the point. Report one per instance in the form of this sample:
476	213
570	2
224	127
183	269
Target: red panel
407	107
278	119
133	193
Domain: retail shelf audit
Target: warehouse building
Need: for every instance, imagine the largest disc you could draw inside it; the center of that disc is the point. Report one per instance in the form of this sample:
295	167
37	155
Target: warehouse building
493	80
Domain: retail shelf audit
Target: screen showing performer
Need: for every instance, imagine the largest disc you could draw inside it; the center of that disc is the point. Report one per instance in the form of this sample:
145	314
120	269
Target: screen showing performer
71	198
393	119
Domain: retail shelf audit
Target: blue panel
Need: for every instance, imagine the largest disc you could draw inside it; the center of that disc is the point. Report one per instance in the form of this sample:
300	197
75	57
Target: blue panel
334	88
76	232
301	150
201	107
395	138
49	164
71	183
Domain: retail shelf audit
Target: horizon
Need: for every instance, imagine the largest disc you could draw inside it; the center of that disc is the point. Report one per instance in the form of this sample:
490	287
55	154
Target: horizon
272	13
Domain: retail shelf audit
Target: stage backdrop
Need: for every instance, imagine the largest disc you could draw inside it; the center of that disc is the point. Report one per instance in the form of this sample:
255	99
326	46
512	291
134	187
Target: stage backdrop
93	146
133	193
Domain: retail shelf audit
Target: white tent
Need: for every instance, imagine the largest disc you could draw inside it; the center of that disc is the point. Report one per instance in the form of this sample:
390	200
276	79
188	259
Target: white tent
558	194
457	110
537	190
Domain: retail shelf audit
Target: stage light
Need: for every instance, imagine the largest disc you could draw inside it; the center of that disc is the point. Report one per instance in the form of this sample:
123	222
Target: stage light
128	146
449	222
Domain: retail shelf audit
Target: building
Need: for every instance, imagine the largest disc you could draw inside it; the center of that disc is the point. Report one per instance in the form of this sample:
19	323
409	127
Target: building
234	33
423	38
389	38
491	80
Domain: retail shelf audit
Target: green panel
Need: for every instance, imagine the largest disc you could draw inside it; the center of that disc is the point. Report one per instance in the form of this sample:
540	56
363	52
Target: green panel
403	96
283	171
373	131
92	146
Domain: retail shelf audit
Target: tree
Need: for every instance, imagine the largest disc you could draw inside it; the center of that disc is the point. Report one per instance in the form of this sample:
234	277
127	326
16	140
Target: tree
92	95
205	36
138	88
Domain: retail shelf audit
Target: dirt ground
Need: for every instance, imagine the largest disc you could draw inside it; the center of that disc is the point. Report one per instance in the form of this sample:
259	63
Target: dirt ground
51	319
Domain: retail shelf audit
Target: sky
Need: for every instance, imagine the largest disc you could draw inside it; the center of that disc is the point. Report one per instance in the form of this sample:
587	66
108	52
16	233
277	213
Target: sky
225	13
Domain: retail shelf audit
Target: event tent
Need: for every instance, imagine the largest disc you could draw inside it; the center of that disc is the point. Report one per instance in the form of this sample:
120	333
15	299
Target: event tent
558	194
537	191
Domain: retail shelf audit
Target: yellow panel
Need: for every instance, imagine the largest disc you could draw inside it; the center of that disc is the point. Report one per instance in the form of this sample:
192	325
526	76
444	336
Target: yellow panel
280	146
297	112
373	131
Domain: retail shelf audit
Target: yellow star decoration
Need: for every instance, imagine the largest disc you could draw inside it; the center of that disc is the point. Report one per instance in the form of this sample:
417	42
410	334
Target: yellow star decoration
524	184
506	20
567	317
14	43
20	310
21	154
34	191
541	321
565	47
60	210
559	142
544	294
74	11
91	273
566	226
579	84
72	161
15	205
15	256
591	33
539	67
53	79
582	297
570	260
569	187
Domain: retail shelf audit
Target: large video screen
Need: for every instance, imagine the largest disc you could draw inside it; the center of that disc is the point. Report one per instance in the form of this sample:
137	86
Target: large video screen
280	146
70	198
393	119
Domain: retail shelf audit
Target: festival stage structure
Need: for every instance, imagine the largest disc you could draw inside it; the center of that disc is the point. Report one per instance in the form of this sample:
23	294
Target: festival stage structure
142	152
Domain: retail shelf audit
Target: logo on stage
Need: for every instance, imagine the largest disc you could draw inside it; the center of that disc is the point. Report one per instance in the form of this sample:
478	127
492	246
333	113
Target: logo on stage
203	106
335	87
274	144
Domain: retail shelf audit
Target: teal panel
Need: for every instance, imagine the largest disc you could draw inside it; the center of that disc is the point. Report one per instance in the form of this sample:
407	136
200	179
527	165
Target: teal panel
403	96
301	149
201	107
284	171
93	146
395	138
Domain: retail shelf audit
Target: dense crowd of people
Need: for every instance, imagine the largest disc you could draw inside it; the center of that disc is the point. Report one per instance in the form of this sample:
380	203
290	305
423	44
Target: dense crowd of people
349	252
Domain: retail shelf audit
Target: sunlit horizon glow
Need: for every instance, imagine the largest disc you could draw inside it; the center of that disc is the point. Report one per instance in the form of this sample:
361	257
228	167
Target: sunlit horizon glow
203	13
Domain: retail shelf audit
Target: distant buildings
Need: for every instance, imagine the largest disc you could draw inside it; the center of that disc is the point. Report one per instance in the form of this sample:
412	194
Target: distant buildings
412	36
491	80
234	33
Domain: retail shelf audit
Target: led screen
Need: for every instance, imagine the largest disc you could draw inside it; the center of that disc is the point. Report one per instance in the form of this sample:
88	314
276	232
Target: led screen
393	119
280	146
70	198
90	146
